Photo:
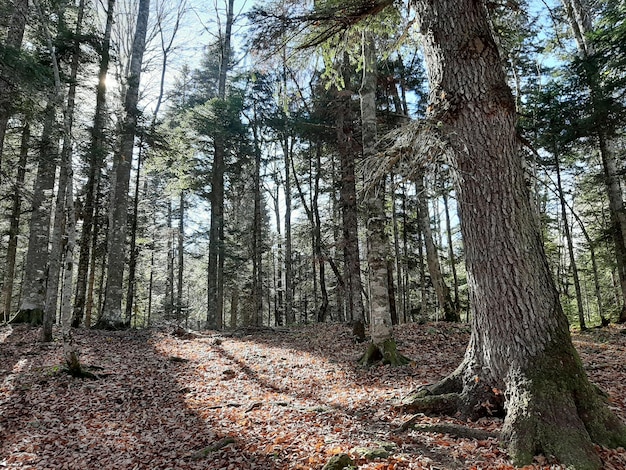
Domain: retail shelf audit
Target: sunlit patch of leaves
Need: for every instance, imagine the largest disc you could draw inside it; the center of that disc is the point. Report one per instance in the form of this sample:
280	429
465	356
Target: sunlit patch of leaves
284	399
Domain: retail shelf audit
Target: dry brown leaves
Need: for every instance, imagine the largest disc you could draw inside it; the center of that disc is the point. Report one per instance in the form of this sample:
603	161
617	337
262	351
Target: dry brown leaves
266	400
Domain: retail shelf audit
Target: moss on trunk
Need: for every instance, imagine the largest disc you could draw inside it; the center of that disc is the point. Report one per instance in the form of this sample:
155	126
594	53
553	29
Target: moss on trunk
386	353
551	408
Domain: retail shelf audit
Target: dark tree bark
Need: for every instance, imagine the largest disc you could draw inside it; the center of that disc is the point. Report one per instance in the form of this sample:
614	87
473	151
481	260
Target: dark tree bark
216	230
96	156
12	43
112	312
348	150
520	342
432	256
257	234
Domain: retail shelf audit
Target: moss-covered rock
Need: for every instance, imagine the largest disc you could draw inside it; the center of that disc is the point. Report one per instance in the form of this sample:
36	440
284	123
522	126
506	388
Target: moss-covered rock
339	462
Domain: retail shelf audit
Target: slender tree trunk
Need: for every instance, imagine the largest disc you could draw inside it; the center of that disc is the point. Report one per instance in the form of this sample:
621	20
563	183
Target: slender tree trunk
383	345
14	227
150	289
257	235
290	317
520	343
13	41
398	258
96	156
319	255
112	312
133	252
570	247
580	20
70	352
405	256
181	254
432	257
280	303
451	255
59	235
169	281
234	305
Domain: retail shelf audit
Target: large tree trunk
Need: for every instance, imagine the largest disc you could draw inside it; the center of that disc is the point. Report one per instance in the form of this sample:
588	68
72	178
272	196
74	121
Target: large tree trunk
96	155
216	229
13	42
349	210
112	312
520	342
35	275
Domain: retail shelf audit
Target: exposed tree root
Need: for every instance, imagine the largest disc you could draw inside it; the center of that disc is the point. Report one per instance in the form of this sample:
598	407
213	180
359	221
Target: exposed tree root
447	404
550	410
385	353
456	430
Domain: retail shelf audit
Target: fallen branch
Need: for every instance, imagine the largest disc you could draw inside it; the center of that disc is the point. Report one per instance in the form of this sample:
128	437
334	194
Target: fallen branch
212	448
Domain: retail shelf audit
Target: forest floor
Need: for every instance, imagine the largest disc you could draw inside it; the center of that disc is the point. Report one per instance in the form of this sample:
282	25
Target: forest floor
286	399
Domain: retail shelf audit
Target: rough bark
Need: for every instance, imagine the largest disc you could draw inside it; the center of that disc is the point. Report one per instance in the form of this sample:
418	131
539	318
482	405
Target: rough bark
59	233
381	331
112	312
13	41
520	342
216	228
349	209
34	285
96	155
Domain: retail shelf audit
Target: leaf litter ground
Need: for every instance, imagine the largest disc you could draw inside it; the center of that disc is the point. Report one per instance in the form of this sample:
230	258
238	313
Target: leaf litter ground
252	399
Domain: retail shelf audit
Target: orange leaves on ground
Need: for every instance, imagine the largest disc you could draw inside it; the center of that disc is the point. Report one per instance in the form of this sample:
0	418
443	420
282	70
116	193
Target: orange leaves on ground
290	399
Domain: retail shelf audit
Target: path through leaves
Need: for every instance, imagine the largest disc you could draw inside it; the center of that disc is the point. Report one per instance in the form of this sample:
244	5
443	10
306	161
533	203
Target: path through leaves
287	399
